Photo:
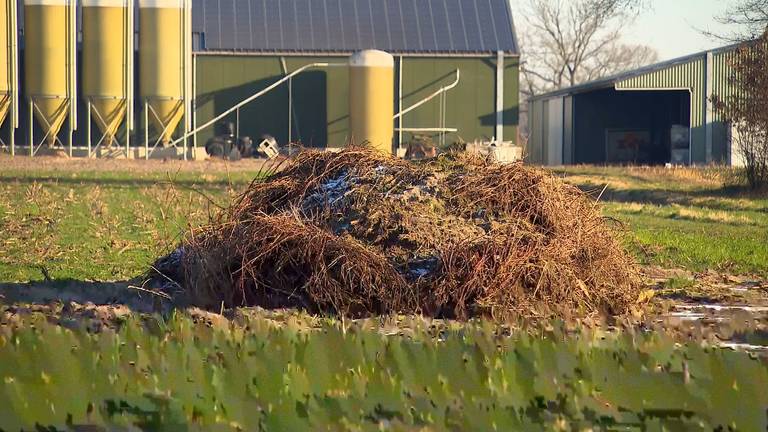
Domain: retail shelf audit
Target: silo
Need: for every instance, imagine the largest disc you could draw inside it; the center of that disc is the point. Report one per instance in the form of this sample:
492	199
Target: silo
49	66
107	63
5	57
9	87
371	99
163	63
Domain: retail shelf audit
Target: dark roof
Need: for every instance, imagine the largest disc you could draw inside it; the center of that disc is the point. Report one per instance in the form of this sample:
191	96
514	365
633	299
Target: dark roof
612	80
342	26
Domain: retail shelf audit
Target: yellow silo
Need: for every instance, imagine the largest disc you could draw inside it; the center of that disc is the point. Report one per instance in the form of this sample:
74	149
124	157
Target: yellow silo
371	99
162	63
106	62
48	62
5	58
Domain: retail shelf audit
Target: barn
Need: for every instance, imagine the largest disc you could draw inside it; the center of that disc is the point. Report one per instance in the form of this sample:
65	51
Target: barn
655	115
242	46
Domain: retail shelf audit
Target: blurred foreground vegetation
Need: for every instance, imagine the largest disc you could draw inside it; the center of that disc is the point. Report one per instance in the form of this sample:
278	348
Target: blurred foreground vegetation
173	374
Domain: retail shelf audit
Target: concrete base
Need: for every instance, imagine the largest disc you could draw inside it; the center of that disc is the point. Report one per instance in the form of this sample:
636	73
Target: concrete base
198	154
504	153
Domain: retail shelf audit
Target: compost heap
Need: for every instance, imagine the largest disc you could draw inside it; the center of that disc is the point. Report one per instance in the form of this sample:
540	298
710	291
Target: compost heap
358	233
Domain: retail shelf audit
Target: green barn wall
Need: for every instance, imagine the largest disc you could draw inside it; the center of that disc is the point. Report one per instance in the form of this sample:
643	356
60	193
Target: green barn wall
320	96
511	99
222	81
470	106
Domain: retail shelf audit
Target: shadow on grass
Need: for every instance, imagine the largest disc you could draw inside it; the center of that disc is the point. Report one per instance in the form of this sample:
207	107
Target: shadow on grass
123	293
669	197
126	183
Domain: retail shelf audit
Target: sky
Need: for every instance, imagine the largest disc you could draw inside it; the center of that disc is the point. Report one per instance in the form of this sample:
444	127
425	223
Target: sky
674	27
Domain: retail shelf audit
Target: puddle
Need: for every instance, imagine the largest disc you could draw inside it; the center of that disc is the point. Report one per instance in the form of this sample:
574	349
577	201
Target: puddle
720	308
739	327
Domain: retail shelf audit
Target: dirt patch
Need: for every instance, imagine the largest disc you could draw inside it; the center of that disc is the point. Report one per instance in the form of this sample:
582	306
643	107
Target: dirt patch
707	287
359	233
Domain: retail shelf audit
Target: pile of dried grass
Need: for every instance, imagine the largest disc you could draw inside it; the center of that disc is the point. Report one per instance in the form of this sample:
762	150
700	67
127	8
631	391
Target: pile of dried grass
359	233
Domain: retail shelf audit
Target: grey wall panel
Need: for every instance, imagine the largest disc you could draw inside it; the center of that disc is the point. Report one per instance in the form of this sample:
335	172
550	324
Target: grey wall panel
555	132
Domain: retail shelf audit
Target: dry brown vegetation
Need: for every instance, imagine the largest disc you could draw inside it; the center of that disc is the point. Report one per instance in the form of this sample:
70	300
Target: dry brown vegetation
358	233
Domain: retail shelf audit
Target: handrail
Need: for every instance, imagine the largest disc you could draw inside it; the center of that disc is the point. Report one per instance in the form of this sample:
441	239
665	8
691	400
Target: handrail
430	97
253	97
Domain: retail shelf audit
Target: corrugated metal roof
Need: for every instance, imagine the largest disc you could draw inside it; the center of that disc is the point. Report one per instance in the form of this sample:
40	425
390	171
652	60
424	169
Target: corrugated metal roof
336	26
638	77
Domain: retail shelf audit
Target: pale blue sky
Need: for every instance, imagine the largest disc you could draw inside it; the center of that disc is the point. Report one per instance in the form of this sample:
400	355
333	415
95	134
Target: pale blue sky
674	27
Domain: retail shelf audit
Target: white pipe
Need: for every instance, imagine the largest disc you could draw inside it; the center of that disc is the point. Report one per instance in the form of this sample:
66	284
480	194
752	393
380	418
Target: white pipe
500	97
194	102
187	50
400	100
255	96
430	97
13	73
88	127
129	71
72	47
438	129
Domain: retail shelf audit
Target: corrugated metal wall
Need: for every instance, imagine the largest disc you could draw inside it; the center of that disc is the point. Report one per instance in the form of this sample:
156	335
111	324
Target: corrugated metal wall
537	129
722	77
321	97
554	146
691	75
550	124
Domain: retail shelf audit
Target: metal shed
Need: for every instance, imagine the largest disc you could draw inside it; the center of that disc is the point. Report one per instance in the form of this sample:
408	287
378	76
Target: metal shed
242	46
654	115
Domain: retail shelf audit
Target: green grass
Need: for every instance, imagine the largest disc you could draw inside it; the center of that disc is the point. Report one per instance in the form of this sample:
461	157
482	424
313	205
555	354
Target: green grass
100	225
110	226
687	218
172	374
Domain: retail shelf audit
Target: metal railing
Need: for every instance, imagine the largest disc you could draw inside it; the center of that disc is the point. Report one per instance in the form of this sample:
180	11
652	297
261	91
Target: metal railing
253	97
439	91
443	106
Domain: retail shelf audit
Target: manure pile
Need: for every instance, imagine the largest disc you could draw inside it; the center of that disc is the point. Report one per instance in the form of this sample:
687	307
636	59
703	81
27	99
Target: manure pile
358	233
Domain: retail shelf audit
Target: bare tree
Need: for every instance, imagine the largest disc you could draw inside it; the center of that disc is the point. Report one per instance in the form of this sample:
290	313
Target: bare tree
748	17
746	109
566	42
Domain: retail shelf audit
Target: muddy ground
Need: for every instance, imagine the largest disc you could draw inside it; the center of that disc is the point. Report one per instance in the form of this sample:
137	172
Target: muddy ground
721	310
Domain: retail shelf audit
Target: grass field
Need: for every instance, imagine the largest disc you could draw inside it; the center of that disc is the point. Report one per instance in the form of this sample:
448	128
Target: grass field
691	219
84	223
101	225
